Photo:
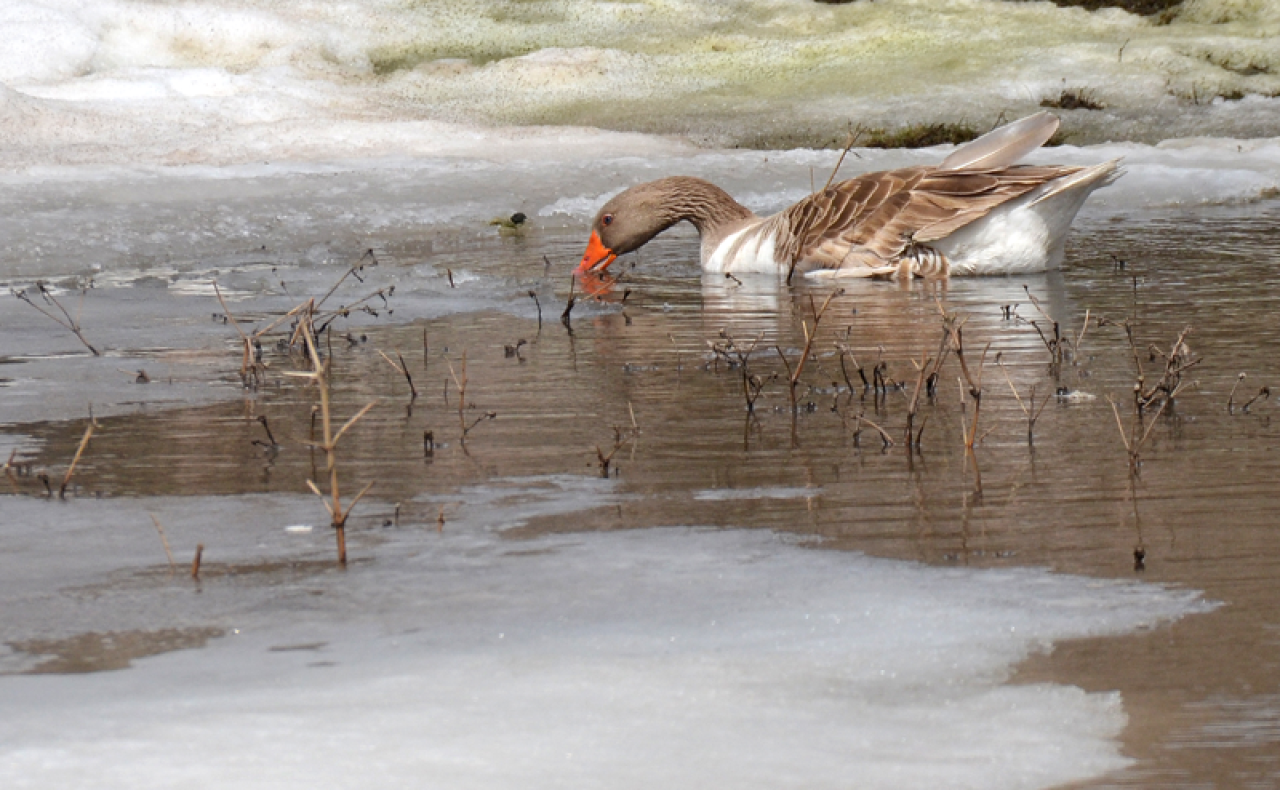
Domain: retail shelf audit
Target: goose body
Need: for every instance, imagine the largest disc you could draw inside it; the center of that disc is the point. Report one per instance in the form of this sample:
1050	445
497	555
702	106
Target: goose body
978	212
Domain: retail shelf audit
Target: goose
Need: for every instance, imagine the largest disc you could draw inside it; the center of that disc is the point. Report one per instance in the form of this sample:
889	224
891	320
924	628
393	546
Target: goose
978	212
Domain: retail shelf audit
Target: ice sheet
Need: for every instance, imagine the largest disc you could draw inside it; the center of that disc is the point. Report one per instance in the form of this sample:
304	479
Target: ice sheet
684	657
242	81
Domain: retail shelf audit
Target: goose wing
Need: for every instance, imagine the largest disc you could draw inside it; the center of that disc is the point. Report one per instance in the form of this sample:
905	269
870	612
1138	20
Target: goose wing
873	218
1003	147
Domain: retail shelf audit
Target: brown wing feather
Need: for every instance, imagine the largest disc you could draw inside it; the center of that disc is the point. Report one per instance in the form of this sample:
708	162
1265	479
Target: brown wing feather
871	219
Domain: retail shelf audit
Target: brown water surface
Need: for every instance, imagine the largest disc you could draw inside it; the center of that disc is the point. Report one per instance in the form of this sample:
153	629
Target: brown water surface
637	382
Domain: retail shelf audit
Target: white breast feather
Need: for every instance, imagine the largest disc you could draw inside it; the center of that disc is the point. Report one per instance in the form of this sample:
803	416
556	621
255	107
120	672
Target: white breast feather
748	250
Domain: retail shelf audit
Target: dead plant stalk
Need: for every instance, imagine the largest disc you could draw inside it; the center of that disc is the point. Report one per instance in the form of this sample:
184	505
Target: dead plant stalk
921	373
793	374
403	370
1032	412
319	375
84	442
72	325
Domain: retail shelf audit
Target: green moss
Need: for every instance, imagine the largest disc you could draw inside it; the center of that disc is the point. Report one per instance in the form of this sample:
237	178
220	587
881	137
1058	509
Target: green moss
1140	7
1073	100
920	136
388	60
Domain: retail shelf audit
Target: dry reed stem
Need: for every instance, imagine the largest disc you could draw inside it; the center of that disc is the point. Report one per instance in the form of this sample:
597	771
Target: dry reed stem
793	375
307	306
165	542
811	214
1133	443
328	315
1263	393
854	134
461	384
955	327
915	395
357	266
752	385
884	435
568	307
1054	346
337	513
244	339
8	471
1032	413
620	439
534	296
352	421
844	349
1231	397
1075	346
84	442
67	322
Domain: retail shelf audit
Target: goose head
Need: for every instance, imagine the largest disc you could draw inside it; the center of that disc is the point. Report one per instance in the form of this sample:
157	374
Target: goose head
634	216
626	223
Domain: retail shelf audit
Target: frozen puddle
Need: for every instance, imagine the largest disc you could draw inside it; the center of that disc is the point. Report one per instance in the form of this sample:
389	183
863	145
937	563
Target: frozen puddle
664	657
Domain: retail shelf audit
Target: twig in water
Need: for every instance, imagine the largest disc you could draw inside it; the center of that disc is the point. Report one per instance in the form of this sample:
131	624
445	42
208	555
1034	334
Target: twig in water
861	418
404	371
845	350
534	296
1263	393
620	439
568	307
460	381
740	358
353	271
489	415
1132	440
271	445
811	210
793	375
954	326
248	364
922	370
319	375
1231	397
1032	412
510	350
195	562
854	134
164	541
1054	345
66	321
8	470
84	442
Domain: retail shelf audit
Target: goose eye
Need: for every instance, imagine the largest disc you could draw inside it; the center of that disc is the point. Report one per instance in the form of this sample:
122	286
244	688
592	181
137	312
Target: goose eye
607	219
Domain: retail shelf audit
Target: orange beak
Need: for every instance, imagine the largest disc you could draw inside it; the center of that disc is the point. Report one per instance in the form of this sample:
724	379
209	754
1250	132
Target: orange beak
597	257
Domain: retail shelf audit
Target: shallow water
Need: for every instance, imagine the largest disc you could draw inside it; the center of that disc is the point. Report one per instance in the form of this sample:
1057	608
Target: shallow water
1199	694
513	616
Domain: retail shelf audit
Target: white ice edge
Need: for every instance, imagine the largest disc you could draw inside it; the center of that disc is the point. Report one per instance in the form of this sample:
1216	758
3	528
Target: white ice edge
687	657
